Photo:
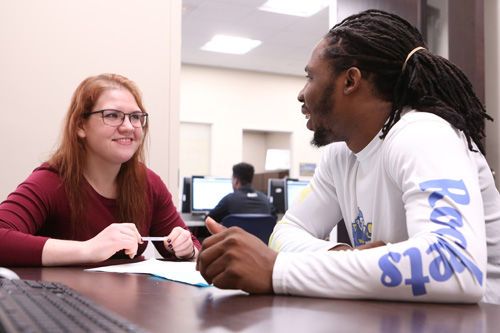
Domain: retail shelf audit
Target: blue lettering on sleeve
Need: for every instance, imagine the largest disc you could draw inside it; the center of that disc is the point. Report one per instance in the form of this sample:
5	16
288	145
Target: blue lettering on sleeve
417	279
458	261
450	258
443	187
440	268
440	212
460	239
391	276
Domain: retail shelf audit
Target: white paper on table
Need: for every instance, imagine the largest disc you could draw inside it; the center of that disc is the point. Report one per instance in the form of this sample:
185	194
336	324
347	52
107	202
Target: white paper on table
184	271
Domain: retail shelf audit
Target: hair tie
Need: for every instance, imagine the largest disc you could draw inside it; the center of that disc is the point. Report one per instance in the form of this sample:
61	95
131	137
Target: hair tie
410	54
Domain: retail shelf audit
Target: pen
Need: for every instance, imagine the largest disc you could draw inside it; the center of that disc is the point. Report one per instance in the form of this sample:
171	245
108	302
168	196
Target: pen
153	239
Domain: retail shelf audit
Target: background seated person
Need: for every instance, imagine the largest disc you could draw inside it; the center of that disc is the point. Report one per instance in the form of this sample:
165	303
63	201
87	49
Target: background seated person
244	199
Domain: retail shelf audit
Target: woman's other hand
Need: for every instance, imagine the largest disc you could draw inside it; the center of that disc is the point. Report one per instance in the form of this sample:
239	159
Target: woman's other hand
180	244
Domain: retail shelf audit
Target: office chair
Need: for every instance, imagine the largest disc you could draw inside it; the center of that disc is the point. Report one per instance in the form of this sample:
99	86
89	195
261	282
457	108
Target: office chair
260	225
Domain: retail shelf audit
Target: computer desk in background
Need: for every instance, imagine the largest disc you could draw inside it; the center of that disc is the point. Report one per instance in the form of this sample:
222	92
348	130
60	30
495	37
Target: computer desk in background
193	221
160	305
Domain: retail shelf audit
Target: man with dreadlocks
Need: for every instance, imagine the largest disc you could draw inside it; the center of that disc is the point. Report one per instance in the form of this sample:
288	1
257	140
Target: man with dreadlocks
404	168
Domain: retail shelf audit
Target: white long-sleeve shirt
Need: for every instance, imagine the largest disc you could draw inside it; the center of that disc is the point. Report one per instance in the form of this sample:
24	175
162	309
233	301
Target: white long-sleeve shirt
423	193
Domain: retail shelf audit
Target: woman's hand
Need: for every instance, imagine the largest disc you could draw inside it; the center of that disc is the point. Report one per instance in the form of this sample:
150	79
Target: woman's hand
180	244
114	238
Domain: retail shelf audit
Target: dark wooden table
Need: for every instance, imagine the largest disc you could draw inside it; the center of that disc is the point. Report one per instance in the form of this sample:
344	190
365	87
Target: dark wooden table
160	305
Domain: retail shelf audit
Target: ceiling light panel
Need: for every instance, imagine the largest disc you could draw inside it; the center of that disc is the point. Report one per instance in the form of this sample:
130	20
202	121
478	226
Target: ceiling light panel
230	44
295	7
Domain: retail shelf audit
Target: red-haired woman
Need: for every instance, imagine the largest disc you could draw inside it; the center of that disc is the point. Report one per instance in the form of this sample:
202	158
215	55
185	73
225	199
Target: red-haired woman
94	198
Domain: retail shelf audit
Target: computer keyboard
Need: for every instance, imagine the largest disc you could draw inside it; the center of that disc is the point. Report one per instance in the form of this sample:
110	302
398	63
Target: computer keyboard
36	306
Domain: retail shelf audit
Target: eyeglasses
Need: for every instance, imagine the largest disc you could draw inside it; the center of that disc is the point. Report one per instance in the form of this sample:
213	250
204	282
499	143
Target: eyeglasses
116	117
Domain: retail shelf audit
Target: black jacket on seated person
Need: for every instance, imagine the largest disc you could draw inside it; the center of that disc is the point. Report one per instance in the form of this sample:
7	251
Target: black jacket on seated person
245	200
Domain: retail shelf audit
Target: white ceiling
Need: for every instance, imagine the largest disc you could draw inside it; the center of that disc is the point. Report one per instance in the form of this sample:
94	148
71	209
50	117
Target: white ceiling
287	41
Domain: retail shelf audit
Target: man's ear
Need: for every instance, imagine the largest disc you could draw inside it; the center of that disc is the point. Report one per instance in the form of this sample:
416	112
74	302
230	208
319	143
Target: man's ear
352	80
237	184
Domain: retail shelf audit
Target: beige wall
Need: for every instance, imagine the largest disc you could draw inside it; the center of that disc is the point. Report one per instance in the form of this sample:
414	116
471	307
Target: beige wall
233	101
48	47
257	143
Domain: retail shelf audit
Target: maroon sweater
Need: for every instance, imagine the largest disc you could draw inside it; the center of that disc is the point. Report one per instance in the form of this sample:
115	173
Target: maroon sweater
38	209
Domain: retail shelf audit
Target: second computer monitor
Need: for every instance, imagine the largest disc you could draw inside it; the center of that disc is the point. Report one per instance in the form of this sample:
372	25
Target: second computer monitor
206	193
186	195
276	194
292	190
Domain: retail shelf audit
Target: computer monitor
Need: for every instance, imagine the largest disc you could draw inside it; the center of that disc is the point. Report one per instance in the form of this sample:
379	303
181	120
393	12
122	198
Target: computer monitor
206	192
186	195
292	190
276	194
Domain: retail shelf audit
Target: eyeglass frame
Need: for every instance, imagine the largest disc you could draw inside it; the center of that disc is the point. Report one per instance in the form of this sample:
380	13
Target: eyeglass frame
143	114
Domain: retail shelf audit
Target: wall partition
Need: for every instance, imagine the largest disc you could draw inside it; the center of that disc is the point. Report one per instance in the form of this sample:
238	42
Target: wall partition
49	47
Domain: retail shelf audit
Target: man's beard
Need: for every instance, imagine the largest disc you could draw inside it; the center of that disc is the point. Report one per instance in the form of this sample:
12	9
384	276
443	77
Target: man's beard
320	138
322	135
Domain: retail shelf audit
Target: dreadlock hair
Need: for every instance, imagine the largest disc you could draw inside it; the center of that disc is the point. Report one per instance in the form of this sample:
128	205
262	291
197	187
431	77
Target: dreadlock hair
378	43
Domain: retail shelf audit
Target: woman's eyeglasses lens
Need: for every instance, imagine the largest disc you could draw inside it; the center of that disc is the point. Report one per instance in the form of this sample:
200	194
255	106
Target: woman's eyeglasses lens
115	118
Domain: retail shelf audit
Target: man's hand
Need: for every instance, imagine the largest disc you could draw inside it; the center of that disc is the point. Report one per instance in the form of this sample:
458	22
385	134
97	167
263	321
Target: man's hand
213	226
233	259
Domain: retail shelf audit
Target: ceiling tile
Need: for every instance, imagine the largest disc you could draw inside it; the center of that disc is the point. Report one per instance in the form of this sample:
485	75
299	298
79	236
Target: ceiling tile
287	41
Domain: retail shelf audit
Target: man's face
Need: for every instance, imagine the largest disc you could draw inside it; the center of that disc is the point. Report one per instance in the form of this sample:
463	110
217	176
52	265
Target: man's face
321	104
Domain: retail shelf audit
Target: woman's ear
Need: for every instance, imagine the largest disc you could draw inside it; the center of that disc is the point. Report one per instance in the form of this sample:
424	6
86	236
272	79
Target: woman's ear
80	131
352	80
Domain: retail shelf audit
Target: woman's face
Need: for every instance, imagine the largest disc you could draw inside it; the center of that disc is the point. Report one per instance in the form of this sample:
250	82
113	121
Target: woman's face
109	146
